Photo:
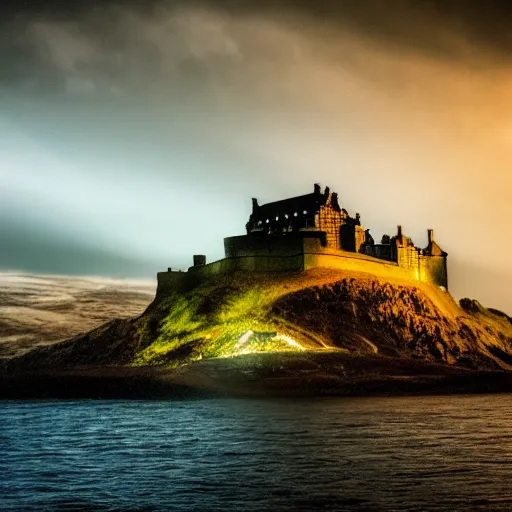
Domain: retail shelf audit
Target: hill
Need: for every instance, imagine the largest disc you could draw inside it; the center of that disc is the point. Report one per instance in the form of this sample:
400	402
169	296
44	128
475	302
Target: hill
331	320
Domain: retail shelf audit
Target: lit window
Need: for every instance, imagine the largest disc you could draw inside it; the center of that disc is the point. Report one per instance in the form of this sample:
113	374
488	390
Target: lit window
277	218
295	214
267	221
305	212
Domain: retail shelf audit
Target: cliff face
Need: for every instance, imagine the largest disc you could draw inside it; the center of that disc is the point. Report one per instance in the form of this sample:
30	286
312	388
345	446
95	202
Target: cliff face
366	316
318	310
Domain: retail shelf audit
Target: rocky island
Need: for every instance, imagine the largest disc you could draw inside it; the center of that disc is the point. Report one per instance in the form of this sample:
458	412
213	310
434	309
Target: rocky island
305	304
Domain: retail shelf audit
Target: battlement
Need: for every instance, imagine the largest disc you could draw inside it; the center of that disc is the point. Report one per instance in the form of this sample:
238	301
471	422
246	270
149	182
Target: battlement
312	231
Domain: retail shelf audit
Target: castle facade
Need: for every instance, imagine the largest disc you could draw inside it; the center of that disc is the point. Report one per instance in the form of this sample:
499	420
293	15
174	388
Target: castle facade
312	230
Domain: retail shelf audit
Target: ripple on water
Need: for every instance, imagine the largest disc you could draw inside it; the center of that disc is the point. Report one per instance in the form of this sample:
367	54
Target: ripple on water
419	453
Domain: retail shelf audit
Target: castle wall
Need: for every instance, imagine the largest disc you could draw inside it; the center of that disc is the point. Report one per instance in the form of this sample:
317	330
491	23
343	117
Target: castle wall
380	251
183	281
168	281
251	264
360	237
326	258
426	268
432	269
355	264
408	259
315	255
289	244
329	220
303	251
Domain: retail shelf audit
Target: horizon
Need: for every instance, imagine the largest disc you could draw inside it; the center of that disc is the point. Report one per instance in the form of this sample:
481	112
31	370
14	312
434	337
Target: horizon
133	137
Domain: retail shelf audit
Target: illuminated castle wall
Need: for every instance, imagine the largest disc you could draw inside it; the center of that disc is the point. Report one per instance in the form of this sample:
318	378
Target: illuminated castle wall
311	231
317	211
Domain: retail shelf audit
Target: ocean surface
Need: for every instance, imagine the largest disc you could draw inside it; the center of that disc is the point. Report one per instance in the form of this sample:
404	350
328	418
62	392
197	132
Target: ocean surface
420	453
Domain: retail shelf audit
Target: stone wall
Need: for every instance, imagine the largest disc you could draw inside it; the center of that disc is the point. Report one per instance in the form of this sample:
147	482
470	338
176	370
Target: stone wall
251	264
316	255
303	251
171	280
426	268
256	244
329	220
432	269
408	258
359	237
352	262
380	251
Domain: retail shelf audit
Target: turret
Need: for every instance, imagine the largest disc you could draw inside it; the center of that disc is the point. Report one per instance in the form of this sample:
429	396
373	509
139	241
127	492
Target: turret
199	260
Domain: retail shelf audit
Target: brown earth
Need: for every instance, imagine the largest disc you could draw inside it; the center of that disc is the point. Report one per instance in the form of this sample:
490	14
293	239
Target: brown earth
361	334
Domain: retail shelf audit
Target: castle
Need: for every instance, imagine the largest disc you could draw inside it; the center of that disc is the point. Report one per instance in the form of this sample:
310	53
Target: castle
310	231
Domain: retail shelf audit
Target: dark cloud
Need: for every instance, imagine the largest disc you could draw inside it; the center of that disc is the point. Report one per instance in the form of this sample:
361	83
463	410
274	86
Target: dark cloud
138	131
89	48
426	25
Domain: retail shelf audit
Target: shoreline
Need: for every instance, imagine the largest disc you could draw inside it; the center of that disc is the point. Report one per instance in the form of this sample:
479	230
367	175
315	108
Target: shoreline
269	375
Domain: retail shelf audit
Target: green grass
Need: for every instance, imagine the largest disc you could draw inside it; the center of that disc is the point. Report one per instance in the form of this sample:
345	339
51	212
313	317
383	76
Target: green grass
215	333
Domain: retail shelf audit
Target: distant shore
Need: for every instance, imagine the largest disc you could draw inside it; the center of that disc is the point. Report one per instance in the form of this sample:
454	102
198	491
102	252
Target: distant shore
255	376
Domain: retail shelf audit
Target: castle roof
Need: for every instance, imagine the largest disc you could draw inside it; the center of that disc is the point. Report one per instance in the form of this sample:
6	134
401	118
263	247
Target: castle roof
434	250
308	202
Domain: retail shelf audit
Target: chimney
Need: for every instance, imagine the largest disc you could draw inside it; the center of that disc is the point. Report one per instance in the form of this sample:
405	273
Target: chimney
255	204
399	231
317	188
199	260
430	235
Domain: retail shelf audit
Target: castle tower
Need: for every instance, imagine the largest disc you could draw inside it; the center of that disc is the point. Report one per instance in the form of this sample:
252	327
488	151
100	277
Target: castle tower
433	267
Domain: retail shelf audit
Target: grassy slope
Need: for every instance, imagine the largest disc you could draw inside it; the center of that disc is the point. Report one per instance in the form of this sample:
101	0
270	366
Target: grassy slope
319	310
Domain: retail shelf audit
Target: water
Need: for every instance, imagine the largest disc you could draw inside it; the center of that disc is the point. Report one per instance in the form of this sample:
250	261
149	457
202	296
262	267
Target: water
421	453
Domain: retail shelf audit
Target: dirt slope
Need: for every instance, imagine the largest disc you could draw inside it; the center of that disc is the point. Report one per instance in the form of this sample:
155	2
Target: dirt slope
317	310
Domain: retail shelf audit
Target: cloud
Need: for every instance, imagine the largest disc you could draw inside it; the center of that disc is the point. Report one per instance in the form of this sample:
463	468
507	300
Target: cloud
224	48
177	111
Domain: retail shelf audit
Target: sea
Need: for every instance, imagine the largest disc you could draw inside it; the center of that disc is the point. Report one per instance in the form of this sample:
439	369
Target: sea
450	453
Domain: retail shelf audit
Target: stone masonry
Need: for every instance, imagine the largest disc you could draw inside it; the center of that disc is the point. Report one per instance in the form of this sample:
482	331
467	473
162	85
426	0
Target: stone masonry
313	230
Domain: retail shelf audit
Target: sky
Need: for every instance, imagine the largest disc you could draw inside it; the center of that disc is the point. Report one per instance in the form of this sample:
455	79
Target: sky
134	134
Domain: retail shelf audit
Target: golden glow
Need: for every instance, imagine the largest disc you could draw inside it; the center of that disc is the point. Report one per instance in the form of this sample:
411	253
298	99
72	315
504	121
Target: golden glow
243	339
290	341
272	344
